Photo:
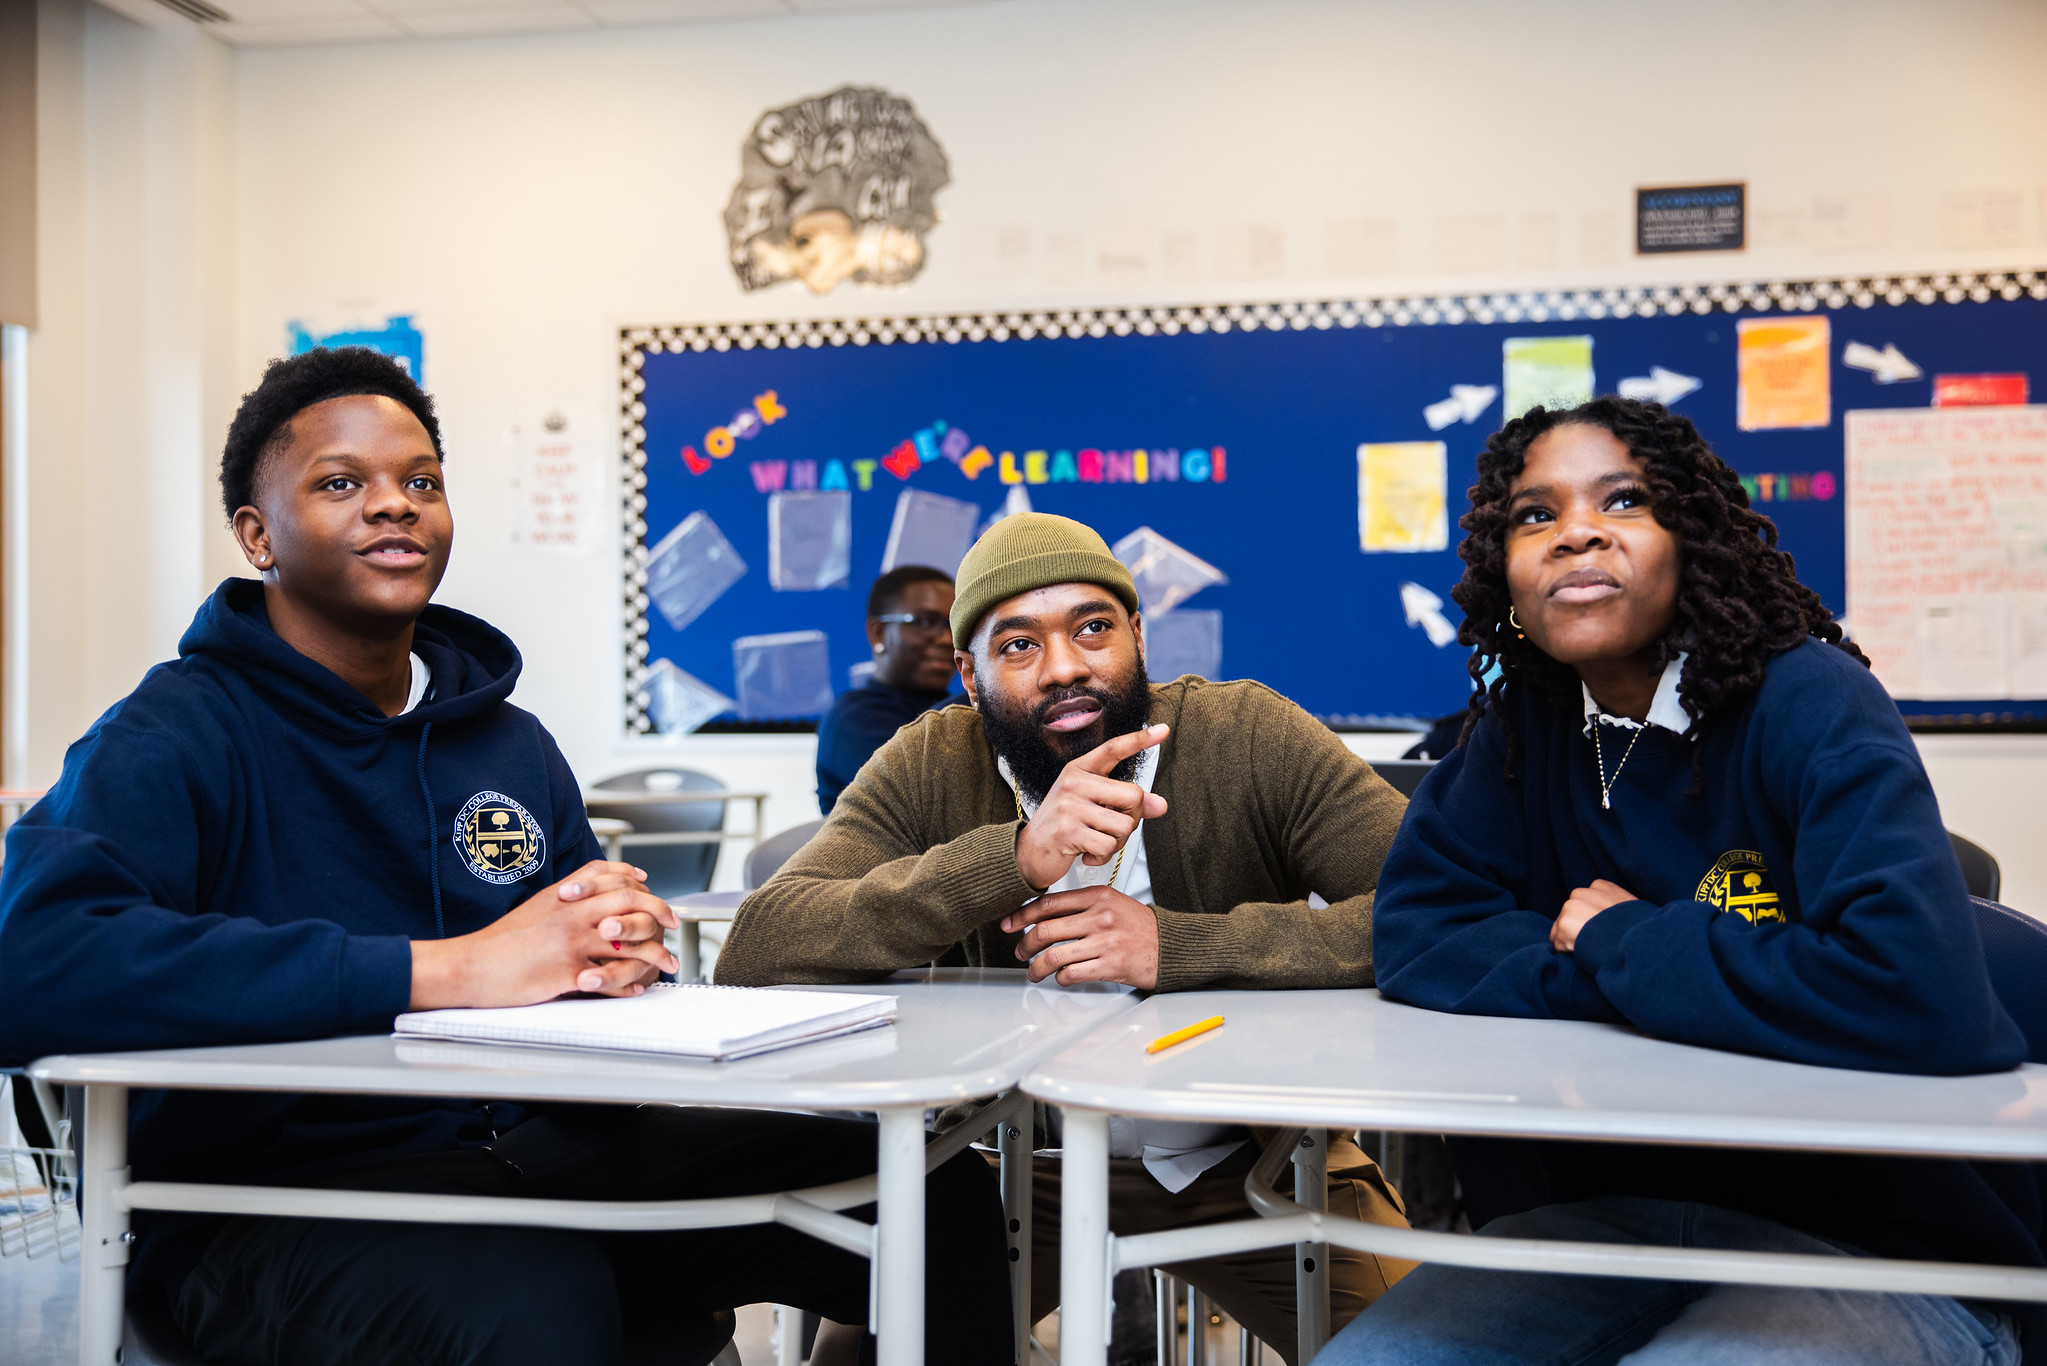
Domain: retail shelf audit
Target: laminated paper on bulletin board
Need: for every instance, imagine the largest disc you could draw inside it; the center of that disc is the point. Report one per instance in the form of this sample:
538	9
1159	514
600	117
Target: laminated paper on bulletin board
1784	373
1232	431
1947	540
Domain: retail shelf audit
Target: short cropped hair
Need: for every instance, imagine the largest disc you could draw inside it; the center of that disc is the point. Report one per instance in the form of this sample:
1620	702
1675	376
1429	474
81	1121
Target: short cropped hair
262	425
887	593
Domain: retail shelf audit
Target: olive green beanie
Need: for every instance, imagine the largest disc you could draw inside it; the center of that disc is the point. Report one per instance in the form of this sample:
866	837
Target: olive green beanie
1027	551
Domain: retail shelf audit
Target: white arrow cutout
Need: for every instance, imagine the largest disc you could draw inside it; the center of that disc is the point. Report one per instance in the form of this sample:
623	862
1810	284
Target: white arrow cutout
1425	609
1465	403
1658	386
1888	366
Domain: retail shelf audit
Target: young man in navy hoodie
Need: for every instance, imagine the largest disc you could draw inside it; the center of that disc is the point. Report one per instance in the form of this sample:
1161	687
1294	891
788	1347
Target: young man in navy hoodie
1685	805
325	813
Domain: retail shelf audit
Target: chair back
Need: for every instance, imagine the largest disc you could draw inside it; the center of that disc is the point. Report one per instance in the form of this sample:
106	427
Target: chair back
2015	951
1979	870
1405	774
672	869
771	853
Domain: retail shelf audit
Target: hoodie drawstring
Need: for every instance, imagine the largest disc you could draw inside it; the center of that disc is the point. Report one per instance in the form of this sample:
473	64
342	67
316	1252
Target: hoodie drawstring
433	834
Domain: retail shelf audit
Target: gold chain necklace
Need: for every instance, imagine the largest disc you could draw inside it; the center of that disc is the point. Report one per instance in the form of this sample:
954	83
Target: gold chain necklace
1599	755
1017	792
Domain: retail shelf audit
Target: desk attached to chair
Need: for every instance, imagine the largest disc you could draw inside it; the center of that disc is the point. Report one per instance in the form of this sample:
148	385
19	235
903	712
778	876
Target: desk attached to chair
961	1034
1306	1061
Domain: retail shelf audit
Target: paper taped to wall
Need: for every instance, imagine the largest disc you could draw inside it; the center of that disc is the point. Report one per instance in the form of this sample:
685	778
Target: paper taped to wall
1402	489
1947	550
1783	375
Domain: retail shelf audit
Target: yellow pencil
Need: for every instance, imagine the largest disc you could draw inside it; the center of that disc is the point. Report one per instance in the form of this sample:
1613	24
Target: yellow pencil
1182	1035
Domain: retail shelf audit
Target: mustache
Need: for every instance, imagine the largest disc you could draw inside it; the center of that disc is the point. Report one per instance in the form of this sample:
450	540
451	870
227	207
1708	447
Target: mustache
1050	700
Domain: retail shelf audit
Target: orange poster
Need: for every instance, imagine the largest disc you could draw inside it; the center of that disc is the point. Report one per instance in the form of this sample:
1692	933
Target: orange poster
1784	374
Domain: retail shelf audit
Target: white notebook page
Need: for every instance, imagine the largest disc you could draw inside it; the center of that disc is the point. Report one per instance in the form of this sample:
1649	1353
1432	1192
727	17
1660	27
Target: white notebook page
684	1020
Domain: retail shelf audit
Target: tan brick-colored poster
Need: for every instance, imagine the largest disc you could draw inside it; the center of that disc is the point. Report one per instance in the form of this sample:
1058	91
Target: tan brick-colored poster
1784	375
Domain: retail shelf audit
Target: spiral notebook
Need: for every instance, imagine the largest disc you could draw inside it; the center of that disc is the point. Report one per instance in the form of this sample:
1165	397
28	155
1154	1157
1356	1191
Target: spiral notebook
689	1021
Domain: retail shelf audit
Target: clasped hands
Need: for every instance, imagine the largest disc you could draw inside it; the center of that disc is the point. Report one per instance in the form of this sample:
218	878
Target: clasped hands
1583	904
597	930
1090	934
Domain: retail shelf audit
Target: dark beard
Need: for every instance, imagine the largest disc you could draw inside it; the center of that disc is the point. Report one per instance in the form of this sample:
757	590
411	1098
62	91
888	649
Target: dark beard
1036	758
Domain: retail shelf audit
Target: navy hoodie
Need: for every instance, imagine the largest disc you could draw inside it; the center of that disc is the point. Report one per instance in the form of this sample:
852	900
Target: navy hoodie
1804	905
242	851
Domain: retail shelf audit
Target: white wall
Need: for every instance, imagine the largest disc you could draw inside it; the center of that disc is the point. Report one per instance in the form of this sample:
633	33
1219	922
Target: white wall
527	195
129	372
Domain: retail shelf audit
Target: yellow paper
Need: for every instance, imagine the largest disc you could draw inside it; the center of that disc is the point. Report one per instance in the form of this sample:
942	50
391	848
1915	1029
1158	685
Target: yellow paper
1555	372
1401	496
1784	375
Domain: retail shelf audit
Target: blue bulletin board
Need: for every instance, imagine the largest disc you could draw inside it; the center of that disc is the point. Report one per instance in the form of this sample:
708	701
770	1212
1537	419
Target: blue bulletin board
1249	419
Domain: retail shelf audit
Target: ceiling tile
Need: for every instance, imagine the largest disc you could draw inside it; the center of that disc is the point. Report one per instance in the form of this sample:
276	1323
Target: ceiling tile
869	6
624	12
292	11
539	18
362	28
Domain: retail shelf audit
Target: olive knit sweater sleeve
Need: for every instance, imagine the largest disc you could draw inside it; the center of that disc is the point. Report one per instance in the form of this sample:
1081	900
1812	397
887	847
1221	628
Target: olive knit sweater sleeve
918	853
1268	805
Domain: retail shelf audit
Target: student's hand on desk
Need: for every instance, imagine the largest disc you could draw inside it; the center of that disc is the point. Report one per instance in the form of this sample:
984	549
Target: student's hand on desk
1091	934
1585	903
597	930
1087	815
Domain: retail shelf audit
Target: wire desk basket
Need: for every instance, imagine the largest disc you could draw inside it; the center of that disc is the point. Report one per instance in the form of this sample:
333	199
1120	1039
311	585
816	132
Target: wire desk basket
39	1196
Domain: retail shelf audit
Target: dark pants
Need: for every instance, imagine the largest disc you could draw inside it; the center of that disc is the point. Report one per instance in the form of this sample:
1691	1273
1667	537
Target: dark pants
294	1292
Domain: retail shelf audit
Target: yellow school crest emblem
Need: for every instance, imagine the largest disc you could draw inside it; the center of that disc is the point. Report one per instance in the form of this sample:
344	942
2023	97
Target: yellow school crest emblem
498	838
1740	882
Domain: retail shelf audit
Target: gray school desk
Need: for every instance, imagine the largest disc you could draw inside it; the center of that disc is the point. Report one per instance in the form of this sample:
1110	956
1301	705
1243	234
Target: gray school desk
1306	1061
961	1034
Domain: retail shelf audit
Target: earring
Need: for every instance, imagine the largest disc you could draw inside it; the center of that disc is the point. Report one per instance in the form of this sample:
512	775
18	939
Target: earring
877	647
262	562
1515	622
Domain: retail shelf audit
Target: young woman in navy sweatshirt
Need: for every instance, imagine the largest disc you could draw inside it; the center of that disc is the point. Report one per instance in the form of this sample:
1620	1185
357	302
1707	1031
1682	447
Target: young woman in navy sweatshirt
325	813
1686	805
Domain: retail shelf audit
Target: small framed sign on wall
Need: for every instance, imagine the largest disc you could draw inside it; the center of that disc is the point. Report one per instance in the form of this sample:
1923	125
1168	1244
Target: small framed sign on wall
1691	218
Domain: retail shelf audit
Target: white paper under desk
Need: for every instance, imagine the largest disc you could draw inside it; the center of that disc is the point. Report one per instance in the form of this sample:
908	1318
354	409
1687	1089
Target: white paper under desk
693	1021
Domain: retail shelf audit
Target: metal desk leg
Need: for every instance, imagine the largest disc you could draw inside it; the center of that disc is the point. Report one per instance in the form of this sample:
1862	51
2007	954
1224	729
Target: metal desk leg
897	1300
1015	1145
692	968
1311	1260
1084	1241
103	1267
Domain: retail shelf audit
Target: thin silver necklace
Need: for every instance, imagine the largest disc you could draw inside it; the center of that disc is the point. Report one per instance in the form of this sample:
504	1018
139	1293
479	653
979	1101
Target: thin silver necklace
1599	756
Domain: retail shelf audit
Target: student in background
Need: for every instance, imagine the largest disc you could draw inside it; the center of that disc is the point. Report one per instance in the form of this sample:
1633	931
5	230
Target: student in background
324	813
1058	824
1688	806
909	628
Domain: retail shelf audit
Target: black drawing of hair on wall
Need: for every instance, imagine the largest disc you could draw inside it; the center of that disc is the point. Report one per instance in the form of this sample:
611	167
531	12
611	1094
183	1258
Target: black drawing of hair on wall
833	188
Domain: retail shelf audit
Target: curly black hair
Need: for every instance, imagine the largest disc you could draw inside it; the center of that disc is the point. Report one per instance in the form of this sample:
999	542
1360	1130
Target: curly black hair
262	425
1739	601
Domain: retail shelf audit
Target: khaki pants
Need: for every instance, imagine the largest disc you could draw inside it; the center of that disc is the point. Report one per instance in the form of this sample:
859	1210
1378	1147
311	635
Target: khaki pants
1254	1288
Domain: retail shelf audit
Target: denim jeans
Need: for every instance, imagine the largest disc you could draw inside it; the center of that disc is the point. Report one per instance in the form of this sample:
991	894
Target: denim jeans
1457	1316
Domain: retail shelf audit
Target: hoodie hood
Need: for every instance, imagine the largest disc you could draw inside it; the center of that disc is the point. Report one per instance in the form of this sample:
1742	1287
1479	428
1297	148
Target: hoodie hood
475	665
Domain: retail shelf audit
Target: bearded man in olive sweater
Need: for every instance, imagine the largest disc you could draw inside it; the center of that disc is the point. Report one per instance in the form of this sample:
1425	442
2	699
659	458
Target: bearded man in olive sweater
1098	828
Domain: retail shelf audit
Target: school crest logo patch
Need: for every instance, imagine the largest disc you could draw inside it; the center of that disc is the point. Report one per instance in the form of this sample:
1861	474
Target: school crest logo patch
1740	882
498	838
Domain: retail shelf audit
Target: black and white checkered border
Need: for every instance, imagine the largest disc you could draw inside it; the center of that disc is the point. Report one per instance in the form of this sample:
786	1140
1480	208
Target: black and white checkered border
1523	306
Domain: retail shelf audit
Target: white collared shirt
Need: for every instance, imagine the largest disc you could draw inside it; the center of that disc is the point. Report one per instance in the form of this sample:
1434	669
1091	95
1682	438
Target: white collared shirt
1665	709
422	679
1173	1151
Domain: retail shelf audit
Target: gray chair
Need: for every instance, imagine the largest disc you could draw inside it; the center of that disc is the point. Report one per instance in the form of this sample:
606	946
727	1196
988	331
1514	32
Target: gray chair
1979	870
1405	774
672	869
774	851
